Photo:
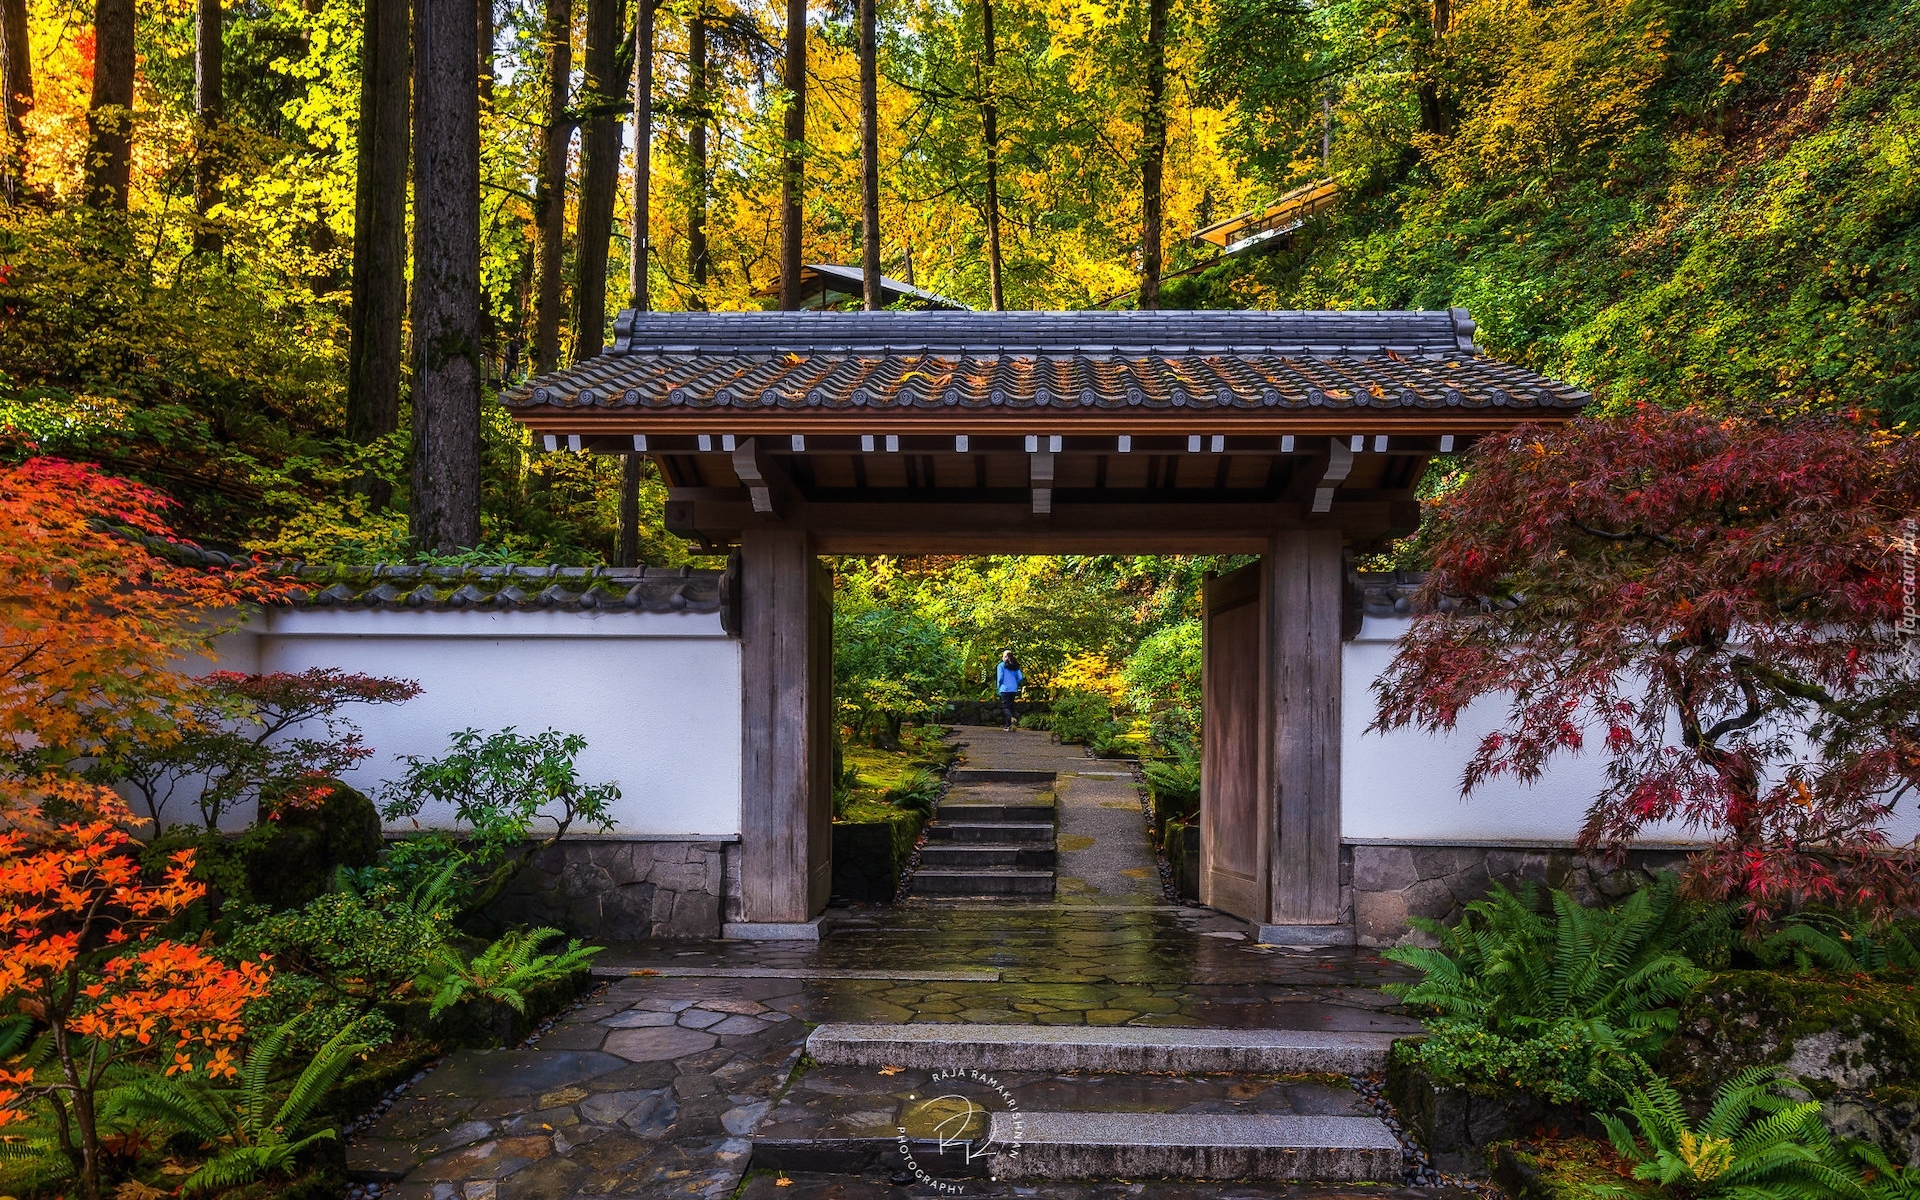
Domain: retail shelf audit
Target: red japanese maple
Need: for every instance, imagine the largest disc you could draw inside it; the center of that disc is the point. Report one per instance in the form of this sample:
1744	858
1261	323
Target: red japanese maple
1720	603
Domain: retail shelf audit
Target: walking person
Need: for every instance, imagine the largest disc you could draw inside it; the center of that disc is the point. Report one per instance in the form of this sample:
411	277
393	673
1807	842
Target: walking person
1010	681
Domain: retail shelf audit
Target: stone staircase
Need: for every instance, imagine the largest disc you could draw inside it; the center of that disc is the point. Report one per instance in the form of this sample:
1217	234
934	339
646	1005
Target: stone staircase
992	837
1026	1103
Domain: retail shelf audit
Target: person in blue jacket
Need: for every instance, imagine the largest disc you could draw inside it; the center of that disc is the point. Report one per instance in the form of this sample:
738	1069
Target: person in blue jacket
1010	681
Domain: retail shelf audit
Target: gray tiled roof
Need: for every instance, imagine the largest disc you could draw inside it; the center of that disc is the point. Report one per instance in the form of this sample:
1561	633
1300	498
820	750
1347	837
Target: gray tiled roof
896	361
643	589
502	588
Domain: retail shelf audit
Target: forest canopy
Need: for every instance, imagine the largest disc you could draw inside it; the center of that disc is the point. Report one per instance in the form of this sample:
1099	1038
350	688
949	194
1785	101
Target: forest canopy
1674	201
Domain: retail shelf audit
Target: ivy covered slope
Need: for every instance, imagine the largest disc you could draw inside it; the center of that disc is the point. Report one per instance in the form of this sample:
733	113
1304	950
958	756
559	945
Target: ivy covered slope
1682	201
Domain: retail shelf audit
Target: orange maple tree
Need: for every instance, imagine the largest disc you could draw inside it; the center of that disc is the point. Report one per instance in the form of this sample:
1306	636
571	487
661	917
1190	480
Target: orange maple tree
93	622
95	616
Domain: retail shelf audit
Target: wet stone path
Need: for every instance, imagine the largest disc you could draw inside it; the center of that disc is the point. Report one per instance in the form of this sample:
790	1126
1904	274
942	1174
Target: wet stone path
664	1085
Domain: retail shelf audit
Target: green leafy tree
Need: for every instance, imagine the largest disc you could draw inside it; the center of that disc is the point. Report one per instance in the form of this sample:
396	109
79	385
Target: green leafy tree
891	666
501	787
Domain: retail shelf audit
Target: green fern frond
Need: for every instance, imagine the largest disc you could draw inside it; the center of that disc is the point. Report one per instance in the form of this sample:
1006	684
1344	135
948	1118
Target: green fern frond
318	1077
188	1106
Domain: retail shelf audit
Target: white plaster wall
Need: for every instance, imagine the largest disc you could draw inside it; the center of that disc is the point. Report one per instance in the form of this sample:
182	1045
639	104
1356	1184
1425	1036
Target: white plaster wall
1405	786
657	696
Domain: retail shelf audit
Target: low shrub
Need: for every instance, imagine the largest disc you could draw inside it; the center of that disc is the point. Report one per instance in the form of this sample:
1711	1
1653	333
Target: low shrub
916	790
1083	718
1174	784
1564	1004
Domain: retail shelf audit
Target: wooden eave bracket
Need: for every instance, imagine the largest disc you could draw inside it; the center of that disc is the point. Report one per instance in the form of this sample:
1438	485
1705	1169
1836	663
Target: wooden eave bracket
765	482
1339	465
1040	475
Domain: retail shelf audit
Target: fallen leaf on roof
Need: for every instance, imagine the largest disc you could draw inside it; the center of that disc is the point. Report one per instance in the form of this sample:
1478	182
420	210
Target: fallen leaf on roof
1379	393
891	1070
793	360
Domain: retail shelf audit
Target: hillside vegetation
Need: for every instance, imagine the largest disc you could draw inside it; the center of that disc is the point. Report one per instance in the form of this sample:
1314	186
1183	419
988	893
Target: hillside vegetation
1675	201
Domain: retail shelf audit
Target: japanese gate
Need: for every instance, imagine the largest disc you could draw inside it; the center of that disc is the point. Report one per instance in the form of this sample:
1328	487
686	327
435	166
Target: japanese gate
1297	436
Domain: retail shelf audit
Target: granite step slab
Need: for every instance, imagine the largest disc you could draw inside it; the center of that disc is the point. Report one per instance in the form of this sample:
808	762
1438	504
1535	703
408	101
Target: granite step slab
1205	1146
988	854
991	831
960	776
1122	1049
976	810
982	881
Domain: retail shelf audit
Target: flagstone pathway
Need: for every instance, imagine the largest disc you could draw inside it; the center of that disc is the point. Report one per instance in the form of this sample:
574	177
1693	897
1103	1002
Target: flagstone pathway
664	1085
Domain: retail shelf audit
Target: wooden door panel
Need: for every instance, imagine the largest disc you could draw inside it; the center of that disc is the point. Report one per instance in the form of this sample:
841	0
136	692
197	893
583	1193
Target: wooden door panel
1233	829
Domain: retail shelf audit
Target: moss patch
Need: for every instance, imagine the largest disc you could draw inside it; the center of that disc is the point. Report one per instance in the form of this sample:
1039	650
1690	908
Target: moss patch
1571	1168
1853	1041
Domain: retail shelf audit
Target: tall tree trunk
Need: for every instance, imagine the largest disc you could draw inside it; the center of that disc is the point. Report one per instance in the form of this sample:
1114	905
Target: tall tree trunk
375	342
793	184
550	192
1435	117
209	110
483	35
990	132
627	552
697	155
599	178
109	167
446	269
16	77
483	38
870	156
640	238
1154	145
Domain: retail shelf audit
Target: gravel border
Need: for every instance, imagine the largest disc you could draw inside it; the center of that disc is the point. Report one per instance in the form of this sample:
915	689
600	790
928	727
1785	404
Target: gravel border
1417	1170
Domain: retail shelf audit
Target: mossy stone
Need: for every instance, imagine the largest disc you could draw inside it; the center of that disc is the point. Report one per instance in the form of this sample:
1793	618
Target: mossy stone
291	860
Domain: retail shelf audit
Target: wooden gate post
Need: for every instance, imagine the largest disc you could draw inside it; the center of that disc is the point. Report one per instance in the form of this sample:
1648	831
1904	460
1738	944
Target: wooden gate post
786	786
1303	612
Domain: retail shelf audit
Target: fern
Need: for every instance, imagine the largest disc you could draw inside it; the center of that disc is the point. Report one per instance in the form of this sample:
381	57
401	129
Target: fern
250	1143
916	790
1563	1002
1882	1180
503	971
1837	943
1756	1142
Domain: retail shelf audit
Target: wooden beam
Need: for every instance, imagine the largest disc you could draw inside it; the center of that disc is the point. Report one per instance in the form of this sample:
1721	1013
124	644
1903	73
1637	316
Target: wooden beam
1304	576
718	515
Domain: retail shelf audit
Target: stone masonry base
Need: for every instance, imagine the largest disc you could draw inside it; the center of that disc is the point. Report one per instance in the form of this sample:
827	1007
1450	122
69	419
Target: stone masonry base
611	888
1388	884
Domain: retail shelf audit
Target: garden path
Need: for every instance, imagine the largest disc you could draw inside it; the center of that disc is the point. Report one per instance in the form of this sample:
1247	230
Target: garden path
661	1085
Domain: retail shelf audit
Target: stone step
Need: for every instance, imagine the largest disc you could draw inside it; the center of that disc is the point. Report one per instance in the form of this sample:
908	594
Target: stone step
964	810
991	831
960	776
987	854
1133	1145
982	881
1087	1048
